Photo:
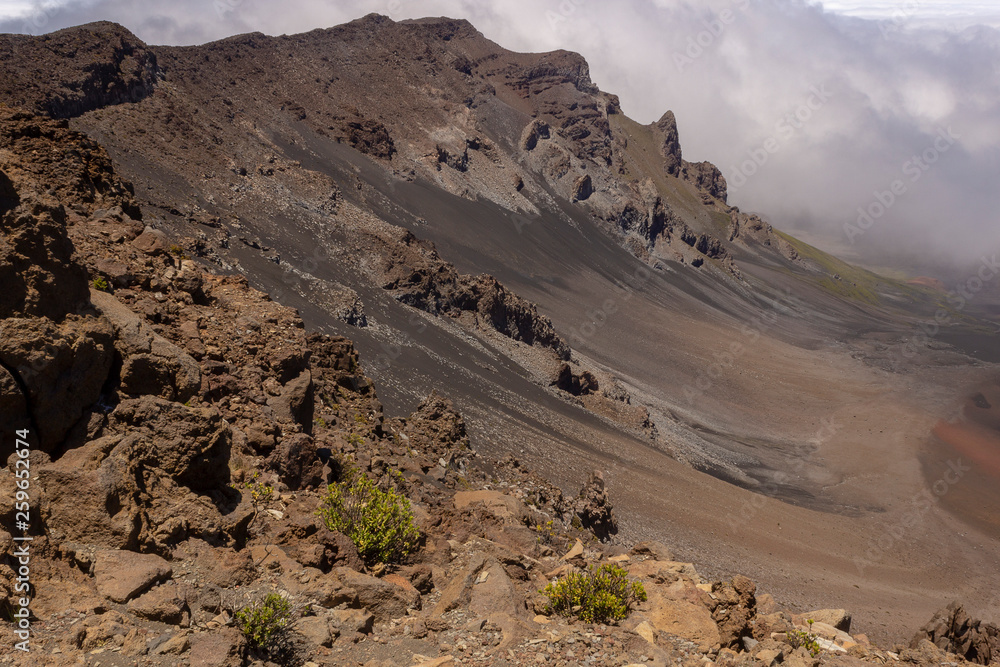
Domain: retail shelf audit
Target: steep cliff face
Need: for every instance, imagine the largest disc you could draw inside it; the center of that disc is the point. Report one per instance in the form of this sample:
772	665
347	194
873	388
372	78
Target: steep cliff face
515	129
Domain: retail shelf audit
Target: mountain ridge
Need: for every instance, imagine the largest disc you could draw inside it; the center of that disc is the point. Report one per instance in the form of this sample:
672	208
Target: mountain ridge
356	172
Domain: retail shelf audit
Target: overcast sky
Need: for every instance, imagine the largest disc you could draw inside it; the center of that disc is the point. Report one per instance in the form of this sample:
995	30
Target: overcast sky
814	112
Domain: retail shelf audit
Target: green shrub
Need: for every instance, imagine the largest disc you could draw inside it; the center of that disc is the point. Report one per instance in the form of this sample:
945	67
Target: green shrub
263	622
602	594
378	521
806	640
101	285
260	493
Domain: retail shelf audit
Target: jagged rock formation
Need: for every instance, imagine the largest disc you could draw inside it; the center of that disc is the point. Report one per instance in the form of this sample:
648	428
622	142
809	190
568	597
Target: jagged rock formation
414	273
954	631
670	146
593	508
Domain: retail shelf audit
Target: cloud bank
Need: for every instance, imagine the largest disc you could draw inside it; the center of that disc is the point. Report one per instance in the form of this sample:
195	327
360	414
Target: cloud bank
874	129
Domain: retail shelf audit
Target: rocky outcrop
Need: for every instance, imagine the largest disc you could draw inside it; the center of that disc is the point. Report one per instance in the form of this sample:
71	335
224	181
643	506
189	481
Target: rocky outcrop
93	66
414	273
751	231
365	135
535	131
150	364
40	274
735	609
954	631
706	176
558	84
57	370
575	384
670	144
56	354
438	431
456	159
583	188
593	508
148	482
123	575
185	444
298	462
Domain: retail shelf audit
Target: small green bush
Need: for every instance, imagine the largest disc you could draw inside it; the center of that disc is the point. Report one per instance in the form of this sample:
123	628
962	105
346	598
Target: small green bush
600	595
260	493
378	521
101	285
263	622
806	640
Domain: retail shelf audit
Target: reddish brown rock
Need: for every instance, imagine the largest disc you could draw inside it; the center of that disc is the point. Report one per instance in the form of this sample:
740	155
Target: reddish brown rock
123	575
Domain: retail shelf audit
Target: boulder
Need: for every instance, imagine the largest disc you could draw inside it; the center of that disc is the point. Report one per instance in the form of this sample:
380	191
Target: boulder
39	268
437	430
384	598
87	497
494	597
61	367
534	131
507	509
222	647
676	605
348	621
735	610
296	401
189	445
164	604
297	462
98	630
123	575
150	363
838	618
924	652
152	242
189	278
315	630
583	188
221	567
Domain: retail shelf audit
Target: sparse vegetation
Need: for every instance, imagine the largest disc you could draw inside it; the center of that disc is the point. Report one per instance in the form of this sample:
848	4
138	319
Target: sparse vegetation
601	595
260	492
264	621
379	521
803	639
100	284
546	532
